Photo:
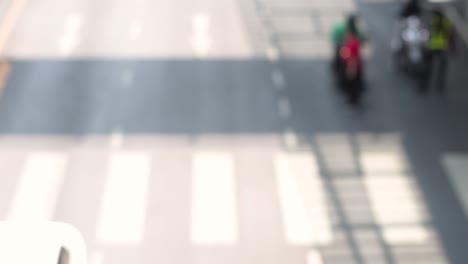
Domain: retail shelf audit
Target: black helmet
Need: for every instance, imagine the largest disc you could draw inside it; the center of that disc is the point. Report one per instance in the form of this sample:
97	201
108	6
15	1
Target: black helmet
351	23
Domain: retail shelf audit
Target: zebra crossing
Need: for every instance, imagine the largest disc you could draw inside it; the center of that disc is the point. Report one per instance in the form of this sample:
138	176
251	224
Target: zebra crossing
215	195
302	28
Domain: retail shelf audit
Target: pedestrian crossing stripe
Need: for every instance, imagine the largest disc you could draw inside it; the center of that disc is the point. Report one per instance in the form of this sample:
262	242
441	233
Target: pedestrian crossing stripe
39	187
214	211
302	200
392	198
123	209
214	217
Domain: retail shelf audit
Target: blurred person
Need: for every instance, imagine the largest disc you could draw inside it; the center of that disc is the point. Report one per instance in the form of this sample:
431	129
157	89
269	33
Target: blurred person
441	42
339	35
351	65
409	43
411	8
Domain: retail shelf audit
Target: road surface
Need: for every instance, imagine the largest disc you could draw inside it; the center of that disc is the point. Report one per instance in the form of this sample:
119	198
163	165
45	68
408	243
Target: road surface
211	132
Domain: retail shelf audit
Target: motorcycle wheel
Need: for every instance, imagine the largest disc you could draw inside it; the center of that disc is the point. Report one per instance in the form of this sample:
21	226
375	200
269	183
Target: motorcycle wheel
355	89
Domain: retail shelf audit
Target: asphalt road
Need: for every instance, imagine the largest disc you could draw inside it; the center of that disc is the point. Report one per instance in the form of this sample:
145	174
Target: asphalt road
211	132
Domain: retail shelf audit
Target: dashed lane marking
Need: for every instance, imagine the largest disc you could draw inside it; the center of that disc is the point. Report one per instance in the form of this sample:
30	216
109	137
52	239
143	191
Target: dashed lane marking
116	139
272	53
284	107
278	79
290	139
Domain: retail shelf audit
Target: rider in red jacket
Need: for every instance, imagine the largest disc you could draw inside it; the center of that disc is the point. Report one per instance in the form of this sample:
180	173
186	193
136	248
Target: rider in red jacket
351	54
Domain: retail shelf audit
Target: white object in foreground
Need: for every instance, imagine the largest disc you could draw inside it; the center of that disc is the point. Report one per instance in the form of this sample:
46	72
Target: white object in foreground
41	243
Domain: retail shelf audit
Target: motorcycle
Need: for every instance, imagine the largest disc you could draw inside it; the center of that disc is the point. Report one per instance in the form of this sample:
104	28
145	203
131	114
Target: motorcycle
409	46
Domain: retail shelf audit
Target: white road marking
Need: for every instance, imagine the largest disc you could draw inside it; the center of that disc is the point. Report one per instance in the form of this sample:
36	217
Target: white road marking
214	213
456	166
302	200
116	139
284	108
290	139
96	258
272	53
135	31
314	257
10	21
393	198
382	162
403	235
67	44
74	22
42	240
201	38
337	152
70	40
123	209
39	187
278	79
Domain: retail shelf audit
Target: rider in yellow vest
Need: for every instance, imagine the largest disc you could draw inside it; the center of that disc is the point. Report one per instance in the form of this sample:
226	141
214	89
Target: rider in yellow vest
440	43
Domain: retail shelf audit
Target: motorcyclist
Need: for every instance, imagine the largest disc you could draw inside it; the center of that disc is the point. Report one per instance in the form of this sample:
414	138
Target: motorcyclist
411	8
350	54
409	16
440	44
340	32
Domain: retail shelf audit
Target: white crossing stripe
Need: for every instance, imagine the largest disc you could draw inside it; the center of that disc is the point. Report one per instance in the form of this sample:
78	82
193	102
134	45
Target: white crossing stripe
278	79
123	211
290	138
70	38
39	187
202	38
393	198
96	258
135	30
382	162
116	139
314	257
214	214
302	200
457	167
272	53
400	235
